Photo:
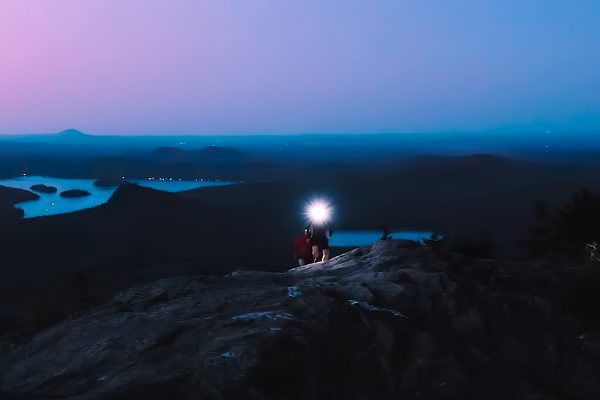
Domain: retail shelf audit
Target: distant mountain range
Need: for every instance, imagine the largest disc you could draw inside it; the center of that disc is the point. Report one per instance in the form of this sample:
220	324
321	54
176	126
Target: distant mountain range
19	150
543	142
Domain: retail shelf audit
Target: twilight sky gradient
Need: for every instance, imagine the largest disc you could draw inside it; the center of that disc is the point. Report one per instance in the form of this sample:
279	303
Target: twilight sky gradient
298	66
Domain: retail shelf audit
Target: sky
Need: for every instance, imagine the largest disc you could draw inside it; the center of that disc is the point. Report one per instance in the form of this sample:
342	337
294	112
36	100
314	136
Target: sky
298	66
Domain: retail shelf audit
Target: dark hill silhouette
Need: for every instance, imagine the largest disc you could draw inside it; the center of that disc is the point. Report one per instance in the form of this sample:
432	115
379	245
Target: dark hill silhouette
165	151
142	234
9	197
217	151
110	182
134	196
139	234
565	230
210	154
13	196
479	158
477	166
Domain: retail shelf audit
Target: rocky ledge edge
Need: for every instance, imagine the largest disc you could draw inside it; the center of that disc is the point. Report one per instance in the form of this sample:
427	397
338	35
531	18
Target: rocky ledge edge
393	320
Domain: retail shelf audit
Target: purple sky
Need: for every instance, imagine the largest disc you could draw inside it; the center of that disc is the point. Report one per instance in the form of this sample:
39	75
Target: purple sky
298	66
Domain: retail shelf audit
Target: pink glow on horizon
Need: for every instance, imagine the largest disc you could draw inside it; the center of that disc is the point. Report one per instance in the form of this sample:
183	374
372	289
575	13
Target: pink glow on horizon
266	66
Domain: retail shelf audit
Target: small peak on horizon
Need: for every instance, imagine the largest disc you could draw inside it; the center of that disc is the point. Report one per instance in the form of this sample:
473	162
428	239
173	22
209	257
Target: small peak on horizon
72	132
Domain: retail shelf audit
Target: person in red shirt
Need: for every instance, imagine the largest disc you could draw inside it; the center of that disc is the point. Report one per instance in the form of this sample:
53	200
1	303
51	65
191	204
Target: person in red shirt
303	248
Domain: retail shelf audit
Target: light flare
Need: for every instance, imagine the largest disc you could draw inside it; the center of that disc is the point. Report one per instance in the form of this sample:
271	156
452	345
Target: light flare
319	211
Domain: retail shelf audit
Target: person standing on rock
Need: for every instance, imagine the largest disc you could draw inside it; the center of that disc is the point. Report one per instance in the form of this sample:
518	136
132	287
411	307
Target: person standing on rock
303	248
319	214
320	234
387	235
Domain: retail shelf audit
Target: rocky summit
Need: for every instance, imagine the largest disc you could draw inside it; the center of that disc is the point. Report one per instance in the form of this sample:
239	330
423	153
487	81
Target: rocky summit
395	320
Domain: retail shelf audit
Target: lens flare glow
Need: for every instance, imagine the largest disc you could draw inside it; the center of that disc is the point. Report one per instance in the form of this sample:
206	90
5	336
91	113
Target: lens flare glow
318	211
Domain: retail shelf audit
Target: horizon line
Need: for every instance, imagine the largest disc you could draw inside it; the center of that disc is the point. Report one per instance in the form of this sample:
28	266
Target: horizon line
511	130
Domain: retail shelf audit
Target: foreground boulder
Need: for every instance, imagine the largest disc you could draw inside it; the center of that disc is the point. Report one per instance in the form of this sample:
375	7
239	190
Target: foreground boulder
391	321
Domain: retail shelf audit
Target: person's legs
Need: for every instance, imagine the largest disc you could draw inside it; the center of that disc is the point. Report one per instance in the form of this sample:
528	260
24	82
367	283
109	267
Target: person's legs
315	253
301	262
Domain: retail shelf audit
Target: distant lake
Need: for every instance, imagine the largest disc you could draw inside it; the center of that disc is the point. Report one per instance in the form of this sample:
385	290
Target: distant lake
51	204
363	238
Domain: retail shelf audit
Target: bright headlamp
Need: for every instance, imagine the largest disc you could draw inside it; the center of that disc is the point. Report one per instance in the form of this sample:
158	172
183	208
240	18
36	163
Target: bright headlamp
319	211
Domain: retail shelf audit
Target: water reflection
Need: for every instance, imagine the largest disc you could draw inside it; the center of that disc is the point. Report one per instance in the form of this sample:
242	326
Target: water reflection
52	203
363	238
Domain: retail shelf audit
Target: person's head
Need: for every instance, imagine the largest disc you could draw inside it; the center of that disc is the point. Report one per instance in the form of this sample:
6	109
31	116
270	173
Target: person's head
307	231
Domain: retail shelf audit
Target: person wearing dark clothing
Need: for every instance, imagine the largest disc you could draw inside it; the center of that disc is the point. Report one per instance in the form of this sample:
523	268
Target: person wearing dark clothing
303	248
386	233
320	234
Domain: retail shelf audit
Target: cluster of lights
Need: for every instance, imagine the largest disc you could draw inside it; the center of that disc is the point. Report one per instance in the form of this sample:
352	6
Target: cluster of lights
179	179
163	179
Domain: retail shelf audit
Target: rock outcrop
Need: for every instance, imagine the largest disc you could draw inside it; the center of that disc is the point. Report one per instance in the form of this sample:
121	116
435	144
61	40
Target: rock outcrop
111	182
390	321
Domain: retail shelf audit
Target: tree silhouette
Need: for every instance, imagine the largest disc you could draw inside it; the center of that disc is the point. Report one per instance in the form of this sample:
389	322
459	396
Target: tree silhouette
566	231
10	213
